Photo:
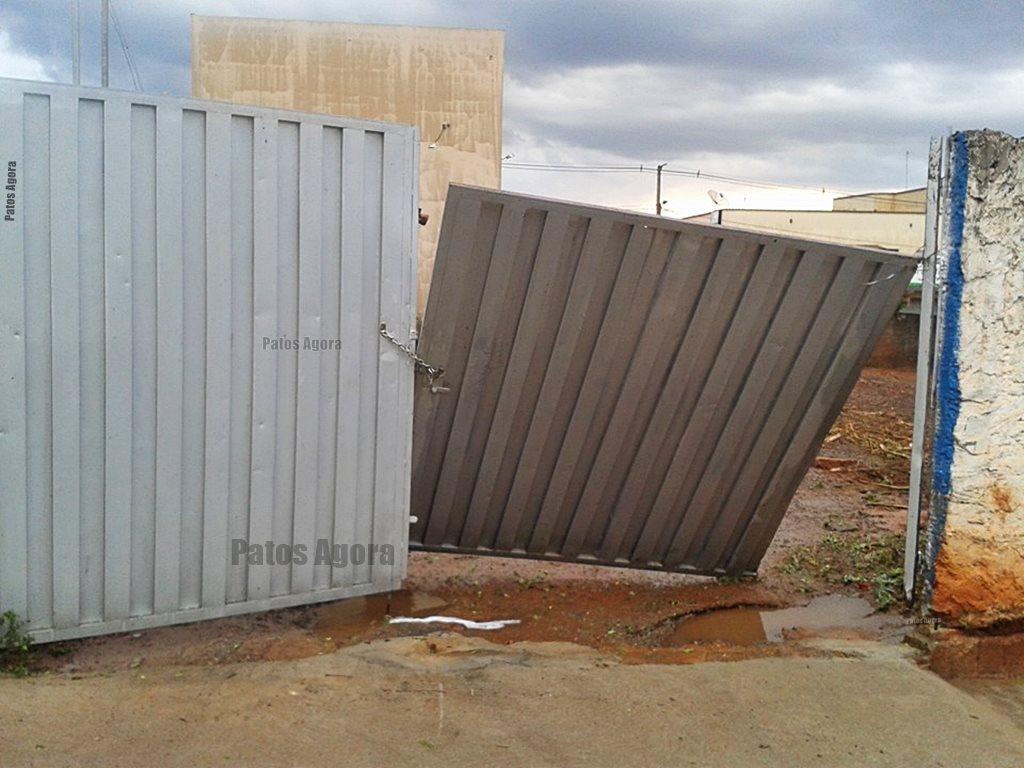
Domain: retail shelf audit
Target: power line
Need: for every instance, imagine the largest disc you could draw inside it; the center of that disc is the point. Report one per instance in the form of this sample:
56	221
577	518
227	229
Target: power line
641	168
574	168
697	174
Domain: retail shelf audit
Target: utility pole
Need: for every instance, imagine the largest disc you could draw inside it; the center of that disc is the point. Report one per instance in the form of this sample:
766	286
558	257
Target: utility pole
76	49
657	203
105	43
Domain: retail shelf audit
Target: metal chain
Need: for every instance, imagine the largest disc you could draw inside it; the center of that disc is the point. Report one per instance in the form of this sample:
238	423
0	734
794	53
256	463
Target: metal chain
433	372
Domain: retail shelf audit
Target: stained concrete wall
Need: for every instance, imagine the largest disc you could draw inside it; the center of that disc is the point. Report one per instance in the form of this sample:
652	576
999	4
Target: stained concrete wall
979	445
412	75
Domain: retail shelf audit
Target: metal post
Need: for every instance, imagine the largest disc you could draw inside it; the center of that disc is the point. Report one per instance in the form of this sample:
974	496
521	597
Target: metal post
105	43
76	48
940	268
921	387
941	287
657	203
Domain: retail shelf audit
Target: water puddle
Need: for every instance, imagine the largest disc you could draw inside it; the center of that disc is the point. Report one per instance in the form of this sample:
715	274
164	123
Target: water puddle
348	618
751	626
737	626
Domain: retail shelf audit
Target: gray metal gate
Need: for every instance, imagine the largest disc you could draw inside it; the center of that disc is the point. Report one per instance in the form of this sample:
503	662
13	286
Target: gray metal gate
155	252
630	390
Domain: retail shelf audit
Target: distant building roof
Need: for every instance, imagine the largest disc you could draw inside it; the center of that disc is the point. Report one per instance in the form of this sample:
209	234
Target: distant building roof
913	192
898	231
901	201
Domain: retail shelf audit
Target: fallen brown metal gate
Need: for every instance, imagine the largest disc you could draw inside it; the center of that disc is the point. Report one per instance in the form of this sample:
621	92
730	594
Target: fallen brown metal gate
630	390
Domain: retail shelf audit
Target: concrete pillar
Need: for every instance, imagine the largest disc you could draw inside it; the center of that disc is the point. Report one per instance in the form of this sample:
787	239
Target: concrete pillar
977	526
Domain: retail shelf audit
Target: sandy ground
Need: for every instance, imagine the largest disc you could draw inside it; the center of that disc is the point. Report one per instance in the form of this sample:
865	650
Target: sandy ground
457	701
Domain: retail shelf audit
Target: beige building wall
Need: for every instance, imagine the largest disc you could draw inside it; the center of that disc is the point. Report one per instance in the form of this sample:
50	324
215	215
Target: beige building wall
898	232
413	75
907	201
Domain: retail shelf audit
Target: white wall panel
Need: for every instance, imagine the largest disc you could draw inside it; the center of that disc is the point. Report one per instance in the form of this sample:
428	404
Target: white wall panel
153	243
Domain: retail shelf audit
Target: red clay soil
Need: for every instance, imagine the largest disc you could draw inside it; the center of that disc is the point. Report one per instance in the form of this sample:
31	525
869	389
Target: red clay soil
955	655
978	584
855	496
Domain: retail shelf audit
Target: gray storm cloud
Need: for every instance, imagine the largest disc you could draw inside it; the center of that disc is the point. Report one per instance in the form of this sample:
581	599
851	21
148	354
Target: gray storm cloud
802	92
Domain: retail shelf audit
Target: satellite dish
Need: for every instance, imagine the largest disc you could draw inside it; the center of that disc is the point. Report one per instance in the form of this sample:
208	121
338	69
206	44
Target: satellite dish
716	197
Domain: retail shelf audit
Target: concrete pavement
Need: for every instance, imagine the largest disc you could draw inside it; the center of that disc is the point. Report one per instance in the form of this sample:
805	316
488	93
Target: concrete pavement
457	701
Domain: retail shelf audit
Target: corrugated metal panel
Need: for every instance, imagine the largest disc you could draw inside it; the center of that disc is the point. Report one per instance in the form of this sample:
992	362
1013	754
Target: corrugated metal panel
149	245
627	389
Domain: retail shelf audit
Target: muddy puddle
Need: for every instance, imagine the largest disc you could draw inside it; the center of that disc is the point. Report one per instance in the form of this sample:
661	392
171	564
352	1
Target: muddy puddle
829	615
751	626
349	618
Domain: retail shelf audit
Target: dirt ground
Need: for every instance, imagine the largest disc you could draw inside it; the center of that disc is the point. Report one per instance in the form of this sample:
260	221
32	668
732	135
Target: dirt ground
842	535
233	690
460	701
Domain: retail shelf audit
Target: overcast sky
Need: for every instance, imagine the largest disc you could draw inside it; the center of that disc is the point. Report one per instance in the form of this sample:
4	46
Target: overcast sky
808	93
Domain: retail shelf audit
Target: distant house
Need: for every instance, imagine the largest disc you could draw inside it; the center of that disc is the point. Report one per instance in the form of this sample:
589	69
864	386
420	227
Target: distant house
890	221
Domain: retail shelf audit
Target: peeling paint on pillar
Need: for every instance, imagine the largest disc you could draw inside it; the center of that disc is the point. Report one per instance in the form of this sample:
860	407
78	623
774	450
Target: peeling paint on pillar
978	518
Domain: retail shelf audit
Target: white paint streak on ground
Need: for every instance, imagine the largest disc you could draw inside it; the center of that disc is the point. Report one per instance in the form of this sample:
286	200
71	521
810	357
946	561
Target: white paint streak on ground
467	623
